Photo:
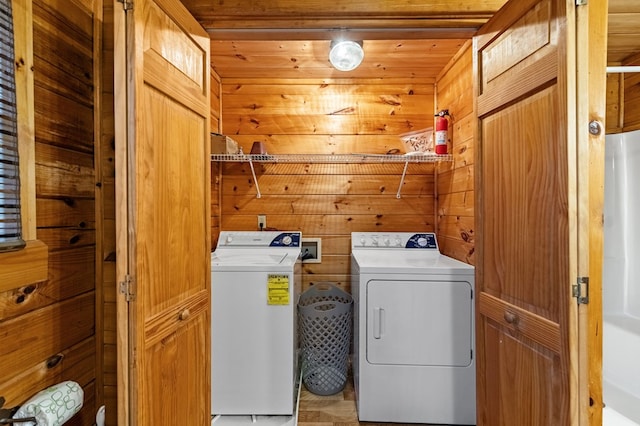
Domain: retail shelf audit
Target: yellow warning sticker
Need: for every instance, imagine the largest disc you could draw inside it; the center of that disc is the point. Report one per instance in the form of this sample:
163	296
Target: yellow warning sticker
278	289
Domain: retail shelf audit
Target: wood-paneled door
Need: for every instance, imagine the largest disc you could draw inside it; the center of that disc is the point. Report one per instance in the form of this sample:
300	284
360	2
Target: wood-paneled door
163	214
535	210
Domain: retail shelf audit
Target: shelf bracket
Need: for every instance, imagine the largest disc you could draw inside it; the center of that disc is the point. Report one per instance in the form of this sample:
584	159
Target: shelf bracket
253	173
404	173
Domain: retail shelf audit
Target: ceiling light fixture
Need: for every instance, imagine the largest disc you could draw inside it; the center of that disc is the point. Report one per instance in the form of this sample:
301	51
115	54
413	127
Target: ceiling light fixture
346	55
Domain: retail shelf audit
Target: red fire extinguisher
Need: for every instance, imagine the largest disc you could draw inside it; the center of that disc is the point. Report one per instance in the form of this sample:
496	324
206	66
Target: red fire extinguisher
442	127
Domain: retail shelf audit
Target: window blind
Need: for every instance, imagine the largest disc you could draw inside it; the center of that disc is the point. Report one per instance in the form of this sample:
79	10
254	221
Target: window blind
10	219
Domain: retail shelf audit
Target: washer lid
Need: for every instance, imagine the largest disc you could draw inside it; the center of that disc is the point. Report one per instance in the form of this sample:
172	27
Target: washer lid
250	259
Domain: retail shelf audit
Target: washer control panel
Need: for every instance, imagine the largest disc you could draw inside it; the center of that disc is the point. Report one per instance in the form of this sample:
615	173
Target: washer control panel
394	240
259	239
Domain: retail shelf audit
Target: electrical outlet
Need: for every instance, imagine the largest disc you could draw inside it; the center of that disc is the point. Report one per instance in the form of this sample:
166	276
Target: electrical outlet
262	222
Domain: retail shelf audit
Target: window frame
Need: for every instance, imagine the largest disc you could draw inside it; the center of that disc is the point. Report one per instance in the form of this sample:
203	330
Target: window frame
29	265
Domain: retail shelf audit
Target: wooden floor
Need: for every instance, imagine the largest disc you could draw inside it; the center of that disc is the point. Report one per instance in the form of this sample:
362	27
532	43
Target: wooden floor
332	410
338	409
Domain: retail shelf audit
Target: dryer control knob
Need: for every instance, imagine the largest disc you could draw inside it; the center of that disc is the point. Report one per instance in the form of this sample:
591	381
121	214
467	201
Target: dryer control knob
422	242
387	242
398	242
374	241
286	240
229	239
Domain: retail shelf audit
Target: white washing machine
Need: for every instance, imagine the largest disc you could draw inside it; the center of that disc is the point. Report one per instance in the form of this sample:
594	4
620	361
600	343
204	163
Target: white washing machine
255	285
413	330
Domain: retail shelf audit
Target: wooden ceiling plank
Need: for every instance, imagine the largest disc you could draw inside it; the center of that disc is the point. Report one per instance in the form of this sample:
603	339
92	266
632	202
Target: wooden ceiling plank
279	48
273	85
384	30
324	73
624	6
624	23
209	10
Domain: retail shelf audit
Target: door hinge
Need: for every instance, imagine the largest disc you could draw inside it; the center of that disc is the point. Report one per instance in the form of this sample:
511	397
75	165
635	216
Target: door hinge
580	290
127	288
582	2
126	4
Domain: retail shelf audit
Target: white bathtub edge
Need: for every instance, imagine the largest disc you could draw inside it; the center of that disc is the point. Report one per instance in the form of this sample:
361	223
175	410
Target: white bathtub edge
610	417
616	402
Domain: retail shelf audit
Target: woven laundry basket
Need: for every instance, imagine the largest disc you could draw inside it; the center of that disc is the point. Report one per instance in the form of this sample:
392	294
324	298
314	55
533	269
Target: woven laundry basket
324	318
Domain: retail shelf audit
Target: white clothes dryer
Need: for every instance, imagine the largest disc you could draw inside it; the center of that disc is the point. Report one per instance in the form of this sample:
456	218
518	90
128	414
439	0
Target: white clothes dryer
413	330
255	285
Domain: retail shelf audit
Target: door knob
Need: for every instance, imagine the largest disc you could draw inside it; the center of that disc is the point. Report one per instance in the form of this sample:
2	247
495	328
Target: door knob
184	315
511	318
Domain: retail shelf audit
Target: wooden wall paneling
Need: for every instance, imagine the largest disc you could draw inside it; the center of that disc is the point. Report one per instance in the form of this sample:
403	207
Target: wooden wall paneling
216	127
215	101
456	204
69	276
324	117
318	185
109	338
25	267
456	237
631	101
44	333
622	32
60	117
614	118
64	173
455	180
453	86
319	225
623	102
56	317
57	239
36	378
66	212
274	123
216	212
328	204
104	182
277	86
332	103
63	61
459	179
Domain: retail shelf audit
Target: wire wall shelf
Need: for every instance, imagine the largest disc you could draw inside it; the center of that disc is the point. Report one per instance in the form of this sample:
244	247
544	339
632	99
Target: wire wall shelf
332	158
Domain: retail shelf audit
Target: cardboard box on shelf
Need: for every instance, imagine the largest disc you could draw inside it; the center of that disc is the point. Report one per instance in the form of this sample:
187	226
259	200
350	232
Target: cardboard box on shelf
221	144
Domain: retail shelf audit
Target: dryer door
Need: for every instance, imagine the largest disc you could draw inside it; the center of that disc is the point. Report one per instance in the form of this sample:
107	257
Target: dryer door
419	323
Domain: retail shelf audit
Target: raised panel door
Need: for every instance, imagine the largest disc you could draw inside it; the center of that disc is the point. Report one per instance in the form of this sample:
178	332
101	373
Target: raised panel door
163	208
524	213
